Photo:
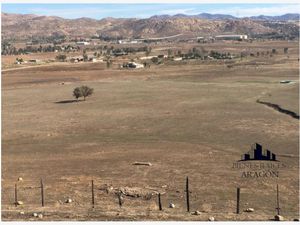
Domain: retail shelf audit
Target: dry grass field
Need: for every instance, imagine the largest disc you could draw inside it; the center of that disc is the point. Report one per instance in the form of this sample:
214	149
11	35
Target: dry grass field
194	120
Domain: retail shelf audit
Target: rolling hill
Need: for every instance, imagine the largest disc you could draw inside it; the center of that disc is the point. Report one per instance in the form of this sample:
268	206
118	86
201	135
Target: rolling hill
26	26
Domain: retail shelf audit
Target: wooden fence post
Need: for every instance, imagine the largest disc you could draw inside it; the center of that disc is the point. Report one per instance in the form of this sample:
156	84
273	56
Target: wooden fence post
93	196
159	202
42	192
120	199
187	194
238	200
16	195
278	208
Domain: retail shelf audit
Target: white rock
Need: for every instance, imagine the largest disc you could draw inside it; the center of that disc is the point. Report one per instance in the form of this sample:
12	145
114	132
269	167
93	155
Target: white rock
249	210
20	179
279	218
40	216
20	203
35	214
211	218
69	200
22	213
196	213
171	205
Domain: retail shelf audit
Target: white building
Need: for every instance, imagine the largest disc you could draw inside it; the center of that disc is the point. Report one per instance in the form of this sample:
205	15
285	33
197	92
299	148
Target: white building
177	59
147	57
238	37
82	43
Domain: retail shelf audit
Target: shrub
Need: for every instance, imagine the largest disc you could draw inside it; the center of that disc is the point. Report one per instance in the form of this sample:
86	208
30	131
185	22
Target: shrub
61	58
83	91
77	93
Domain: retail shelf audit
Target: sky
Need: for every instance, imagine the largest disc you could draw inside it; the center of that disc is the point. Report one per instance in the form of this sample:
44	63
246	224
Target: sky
99	11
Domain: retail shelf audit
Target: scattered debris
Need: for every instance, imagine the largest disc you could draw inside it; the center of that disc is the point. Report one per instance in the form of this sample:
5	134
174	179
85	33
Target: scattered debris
171	205
142	164
20	179
20	203
69	200
211	218
107	188
35	214
286	81
136	192
249	210
278	218
196	213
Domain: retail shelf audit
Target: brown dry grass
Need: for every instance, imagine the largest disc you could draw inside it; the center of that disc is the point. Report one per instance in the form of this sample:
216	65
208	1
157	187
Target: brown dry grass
187	120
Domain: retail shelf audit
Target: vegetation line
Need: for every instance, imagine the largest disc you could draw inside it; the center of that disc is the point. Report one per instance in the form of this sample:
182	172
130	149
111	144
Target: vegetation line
279	109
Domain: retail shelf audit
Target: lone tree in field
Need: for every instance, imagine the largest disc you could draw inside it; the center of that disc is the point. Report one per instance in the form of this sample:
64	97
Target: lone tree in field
86	91
77	93
83	91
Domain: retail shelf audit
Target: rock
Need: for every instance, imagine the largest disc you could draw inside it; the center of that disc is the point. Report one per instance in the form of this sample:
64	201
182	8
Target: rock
196	213
249	210
20	203
278	218
69	200
171	205
40	216
211	218
35	214
142	164
22	213
20	179
296	219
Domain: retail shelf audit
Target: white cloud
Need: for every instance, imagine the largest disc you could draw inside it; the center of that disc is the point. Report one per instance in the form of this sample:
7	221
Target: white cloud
177	11
75	13
275	10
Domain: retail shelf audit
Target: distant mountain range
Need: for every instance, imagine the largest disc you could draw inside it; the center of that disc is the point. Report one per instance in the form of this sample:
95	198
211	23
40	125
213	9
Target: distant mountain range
285	17
28	26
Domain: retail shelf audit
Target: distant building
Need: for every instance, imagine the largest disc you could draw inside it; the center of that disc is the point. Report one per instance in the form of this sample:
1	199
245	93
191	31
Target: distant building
147	57
133	65
82	43
236	37
162	56
126	41
76	59
177	59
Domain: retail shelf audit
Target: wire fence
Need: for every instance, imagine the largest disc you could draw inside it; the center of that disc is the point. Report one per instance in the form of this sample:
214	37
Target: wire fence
98	194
